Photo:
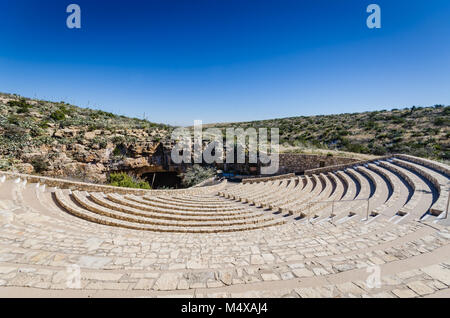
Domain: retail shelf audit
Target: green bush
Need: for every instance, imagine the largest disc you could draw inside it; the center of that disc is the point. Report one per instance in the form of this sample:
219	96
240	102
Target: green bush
124	180
196	174
24	109
23	106
58	115
5	165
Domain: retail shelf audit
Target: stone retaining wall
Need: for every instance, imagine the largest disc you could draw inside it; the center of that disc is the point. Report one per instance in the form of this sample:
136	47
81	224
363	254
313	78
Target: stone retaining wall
344	166
299	163
264	179
91	187
429	163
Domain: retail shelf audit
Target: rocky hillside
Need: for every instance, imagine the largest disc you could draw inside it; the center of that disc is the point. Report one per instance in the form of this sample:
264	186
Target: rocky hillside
418	131
62	140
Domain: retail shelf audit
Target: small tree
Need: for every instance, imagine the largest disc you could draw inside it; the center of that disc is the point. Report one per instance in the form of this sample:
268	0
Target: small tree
124	180
196	174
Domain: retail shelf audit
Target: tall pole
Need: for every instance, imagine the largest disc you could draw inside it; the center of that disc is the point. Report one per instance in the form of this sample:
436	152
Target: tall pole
332	209
153	180
367	213
448	202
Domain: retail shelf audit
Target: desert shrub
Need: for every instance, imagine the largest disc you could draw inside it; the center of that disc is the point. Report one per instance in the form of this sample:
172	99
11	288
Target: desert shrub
14	119
39	164
99	113
43	140
439	121
22	106
353	147
57	115
102	143
124	180
43	124
14	133
36	131
5	165
119	151
196	174
379	150
61	112
398	120
118	140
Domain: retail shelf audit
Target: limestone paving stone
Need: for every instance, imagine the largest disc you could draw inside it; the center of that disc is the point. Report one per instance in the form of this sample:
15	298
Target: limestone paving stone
262	253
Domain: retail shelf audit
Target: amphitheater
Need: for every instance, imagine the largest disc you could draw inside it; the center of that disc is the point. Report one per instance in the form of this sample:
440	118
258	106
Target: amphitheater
326	233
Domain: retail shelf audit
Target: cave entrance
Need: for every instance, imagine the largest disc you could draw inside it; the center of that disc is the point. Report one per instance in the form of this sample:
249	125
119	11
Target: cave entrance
162	179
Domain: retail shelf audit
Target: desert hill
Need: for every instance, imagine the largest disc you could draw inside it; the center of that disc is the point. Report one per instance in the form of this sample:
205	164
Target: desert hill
418	131
62	140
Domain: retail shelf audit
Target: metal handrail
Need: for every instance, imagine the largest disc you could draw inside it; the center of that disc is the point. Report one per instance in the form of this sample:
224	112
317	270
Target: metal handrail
309	204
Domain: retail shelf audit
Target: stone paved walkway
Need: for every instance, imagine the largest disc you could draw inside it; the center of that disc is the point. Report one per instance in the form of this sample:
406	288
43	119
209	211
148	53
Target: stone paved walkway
45	250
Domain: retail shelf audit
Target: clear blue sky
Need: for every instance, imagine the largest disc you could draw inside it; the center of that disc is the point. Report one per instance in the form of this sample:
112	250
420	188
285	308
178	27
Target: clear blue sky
227	60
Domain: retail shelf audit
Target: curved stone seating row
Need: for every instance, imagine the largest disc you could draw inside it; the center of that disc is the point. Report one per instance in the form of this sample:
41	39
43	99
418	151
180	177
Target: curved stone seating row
301	191
278	187
262	269
310	204
82	186
325	193
326	250
295	184
362	191
193	201
207	199
434	165
394	187
329	270
438	178
264	179
399	194
167	204
318	232
358	194
421	199
315	230
298	195
304	258
112	209
380	192
248	189
141	204
95	213
323	208
295	206
287	187
252	189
